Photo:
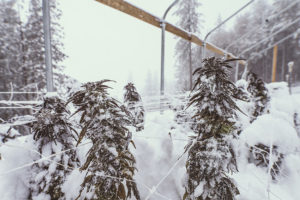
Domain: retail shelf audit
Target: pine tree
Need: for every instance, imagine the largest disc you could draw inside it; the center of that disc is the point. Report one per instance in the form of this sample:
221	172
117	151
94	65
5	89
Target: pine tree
22	59
210	153
109	166
259	95
133	103
53	133
190	20
33	51
9	53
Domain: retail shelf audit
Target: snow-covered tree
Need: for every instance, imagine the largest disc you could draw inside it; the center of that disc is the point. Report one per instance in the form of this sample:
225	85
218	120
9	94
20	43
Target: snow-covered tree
22	51
109	165
259	95
9	53
190	20
210	153
33	51
53	133
133	103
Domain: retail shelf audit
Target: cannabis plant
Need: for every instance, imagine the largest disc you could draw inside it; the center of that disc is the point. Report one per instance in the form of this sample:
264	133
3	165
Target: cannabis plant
260	156
210	153
297	122
259	95
259	153
133	102
52	134
109	165
183	114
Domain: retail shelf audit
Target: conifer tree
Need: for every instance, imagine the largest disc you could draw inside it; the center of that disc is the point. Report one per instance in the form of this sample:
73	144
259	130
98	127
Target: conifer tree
210	153
109	166
33	50
187	56
53	133
133	103
259	95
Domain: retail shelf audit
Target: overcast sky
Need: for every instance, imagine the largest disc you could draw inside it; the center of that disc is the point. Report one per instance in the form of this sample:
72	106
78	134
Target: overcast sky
102	42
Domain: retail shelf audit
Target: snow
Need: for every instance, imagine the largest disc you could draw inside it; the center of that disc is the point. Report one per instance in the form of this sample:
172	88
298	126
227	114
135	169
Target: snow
161	160
267	129
51	94
13	185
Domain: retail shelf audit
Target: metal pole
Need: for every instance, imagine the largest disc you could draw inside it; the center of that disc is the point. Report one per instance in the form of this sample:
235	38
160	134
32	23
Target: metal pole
290	65
256	28
270	36
162	69
191	67
223	22
236	71
47	39
163	29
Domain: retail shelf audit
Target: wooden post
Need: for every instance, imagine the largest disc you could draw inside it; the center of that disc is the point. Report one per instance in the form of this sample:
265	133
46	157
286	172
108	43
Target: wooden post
130	9
274	63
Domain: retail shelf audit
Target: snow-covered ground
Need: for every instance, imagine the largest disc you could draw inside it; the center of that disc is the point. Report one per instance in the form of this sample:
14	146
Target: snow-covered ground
161	160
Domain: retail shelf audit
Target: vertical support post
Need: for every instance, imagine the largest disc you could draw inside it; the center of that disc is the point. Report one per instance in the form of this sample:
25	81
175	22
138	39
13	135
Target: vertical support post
191	67
236	71
47	39
275	50
283	64
244	76
162	68
203	53
290	64
162	72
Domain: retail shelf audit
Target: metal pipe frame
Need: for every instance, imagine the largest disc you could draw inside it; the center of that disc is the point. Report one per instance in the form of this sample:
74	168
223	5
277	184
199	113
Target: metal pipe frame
163	29
255	28
47	38
222	23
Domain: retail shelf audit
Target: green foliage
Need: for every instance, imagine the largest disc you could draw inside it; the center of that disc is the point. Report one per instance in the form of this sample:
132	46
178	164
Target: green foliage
109	166
213	96
259	95
52	133
133	102
210	153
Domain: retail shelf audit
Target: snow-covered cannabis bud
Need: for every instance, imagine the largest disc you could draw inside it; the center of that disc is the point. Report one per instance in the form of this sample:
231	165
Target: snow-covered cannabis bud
210	153
241	90
109	166
133	102
53	134
259	95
